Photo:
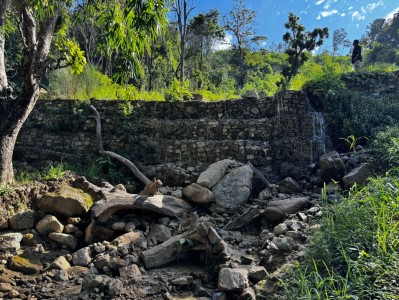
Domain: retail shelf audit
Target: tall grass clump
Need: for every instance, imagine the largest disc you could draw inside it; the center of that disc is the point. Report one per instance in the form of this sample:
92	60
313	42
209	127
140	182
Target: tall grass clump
355	253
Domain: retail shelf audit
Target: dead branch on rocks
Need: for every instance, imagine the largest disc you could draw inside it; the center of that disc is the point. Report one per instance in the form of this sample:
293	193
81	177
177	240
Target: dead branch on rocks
114	155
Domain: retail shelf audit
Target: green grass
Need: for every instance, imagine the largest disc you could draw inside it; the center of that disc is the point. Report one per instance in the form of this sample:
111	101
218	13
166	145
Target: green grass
355	254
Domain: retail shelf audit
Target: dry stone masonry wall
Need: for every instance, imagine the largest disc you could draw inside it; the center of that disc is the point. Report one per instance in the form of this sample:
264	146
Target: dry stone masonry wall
261	131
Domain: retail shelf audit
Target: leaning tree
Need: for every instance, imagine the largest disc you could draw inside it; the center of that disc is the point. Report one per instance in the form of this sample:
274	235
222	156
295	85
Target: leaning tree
42	27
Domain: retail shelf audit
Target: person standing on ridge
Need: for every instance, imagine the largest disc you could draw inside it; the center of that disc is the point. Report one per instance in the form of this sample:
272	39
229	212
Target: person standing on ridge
356	55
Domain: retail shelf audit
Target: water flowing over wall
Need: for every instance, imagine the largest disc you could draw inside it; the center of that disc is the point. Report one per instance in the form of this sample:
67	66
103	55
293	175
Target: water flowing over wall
267	132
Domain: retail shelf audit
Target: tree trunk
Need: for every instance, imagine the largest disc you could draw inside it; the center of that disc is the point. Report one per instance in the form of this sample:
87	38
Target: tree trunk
3	76
13	113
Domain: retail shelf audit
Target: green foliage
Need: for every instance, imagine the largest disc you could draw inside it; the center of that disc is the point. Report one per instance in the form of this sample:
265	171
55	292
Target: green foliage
177	92
299	46
385	148
352	141
355	252
6	190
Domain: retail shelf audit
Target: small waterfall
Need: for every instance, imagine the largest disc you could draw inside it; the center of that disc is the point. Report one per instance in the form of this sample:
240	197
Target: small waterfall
318	139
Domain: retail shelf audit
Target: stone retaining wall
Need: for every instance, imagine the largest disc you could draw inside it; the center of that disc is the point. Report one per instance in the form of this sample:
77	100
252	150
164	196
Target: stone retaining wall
261	131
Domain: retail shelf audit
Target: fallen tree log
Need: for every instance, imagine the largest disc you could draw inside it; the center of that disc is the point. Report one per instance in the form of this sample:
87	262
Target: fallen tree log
198	236
162	204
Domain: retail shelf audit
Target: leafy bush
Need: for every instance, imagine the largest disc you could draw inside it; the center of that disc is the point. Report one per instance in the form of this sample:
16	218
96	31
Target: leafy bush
177	92
385	148
355	253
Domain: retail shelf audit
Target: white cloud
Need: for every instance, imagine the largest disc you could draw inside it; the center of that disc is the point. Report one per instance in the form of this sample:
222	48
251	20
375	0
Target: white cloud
224	44
328	13
343	14
372	6
363	10
391	14
350	8
320	2
357	16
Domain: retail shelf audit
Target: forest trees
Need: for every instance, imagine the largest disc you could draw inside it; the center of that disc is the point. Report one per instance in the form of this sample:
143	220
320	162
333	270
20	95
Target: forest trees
43	25
241	24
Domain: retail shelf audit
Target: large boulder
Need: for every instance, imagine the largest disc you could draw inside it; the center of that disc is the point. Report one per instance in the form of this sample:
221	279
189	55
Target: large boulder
67	202
64	239
331	167
358	175
198	194
277	210
234	188
215	172
24	220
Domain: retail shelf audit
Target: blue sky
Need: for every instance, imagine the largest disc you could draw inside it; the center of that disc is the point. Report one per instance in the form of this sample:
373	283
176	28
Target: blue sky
352	15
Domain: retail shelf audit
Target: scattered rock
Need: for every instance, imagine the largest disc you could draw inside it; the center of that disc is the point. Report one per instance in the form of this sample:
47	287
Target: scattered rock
130	271
10	242
289	186
358	175
68	202
331	167
278	209
24	220
27	264
215	172
233	280
159	233
197	194
134	238
49	224
234	188
82	257
60	263
64	239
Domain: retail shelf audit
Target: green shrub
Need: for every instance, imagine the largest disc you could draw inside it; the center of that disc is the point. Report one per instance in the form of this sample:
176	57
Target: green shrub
177	92
385	148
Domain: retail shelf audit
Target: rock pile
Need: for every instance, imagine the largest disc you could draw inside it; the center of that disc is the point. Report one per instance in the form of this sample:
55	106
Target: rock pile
90	242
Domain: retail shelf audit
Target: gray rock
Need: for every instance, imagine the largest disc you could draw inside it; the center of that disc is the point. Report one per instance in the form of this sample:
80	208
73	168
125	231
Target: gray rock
283	245
197	194
289	186
129	227
24	220
68	202
82	257
215	172
61	275
268	193
257	273
281	228
234	188
251	94
129	271
102	261
118	226
26	263
331	167
184	280
64	239
70	229
358	175
233	280
10	242
49	224
278	209
247	294
60	263
159	233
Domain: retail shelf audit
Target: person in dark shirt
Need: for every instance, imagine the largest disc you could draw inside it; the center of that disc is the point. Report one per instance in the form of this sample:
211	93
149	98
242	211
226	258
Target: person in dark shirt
356	55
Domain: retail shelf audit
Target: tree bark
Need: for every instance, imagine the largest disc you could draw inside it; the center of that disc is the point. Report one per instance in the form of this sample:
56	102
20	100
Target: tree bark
4	6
